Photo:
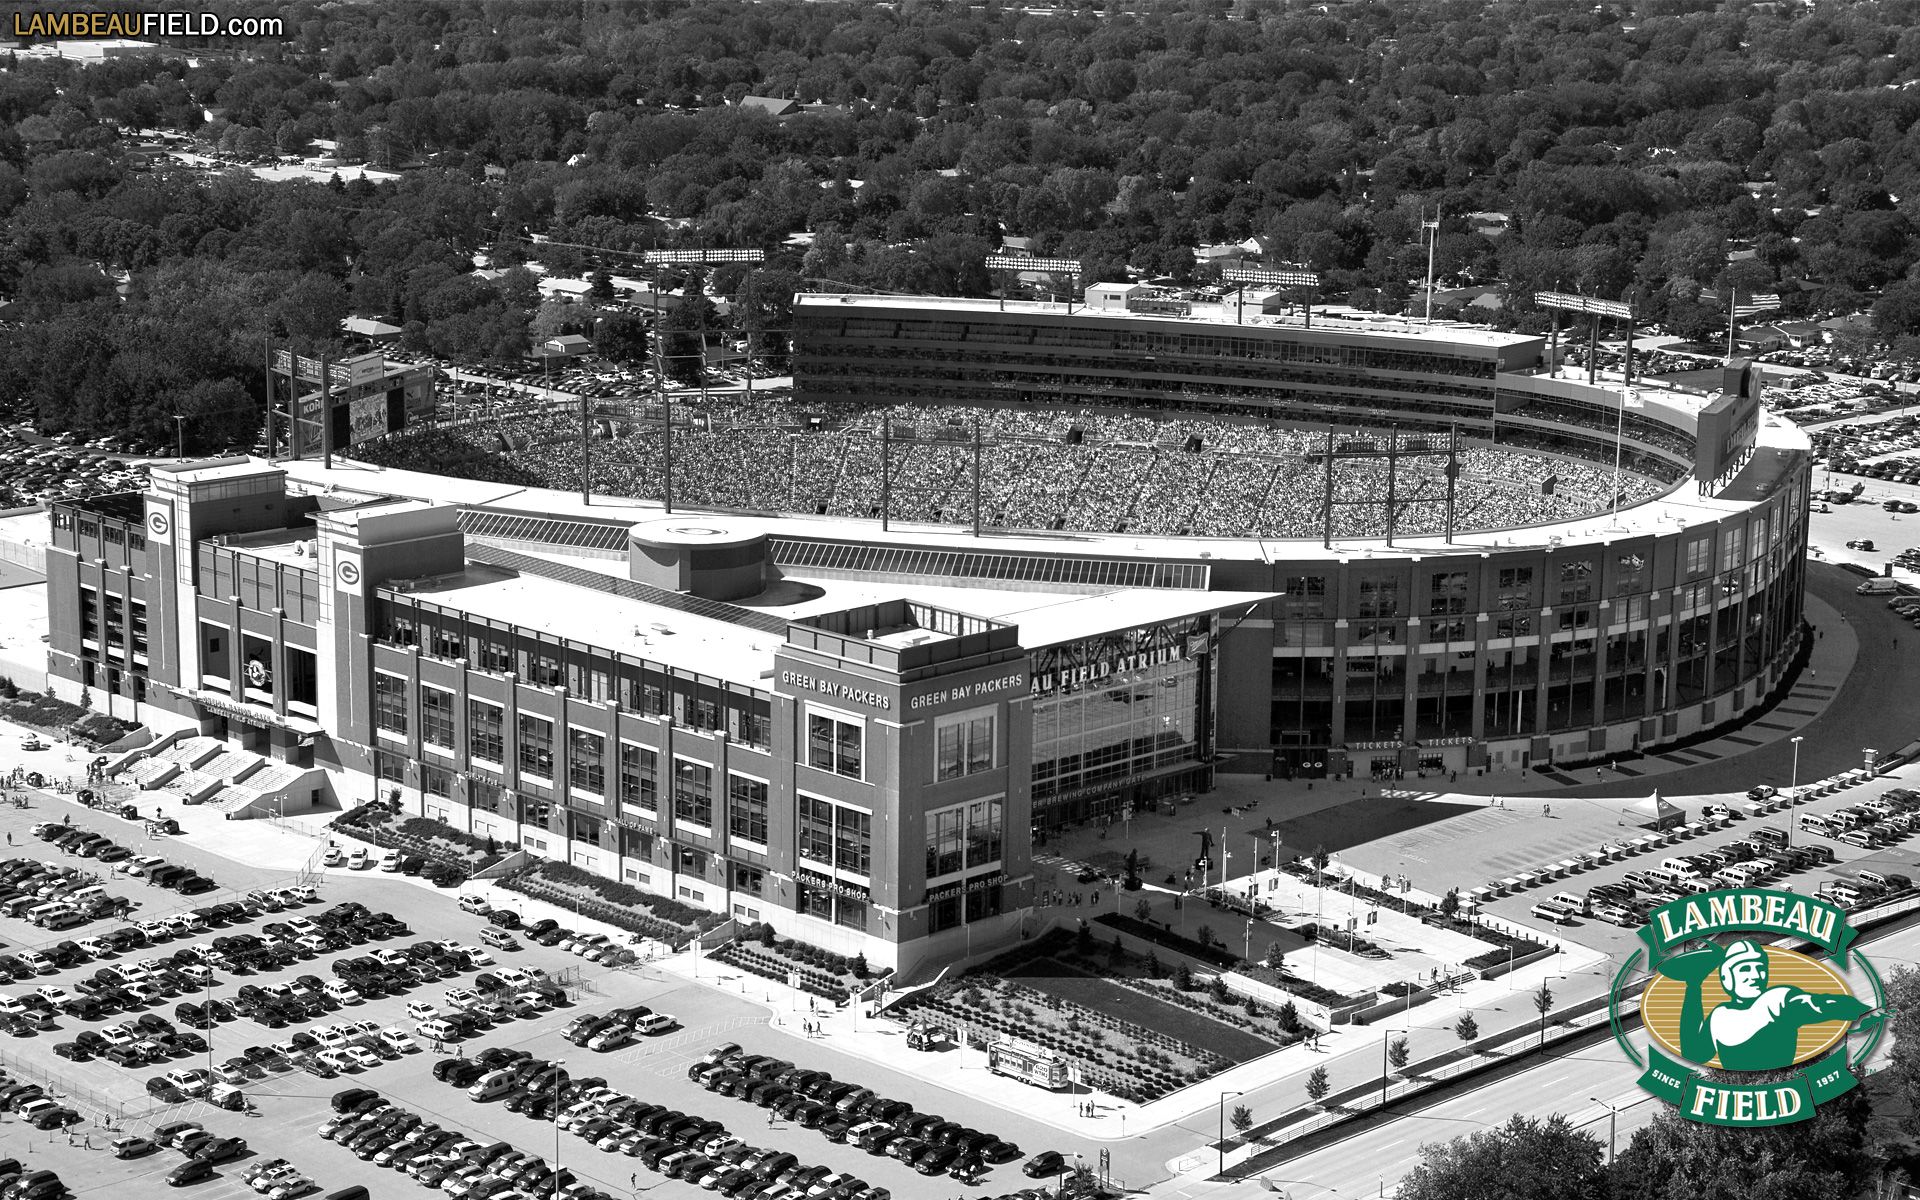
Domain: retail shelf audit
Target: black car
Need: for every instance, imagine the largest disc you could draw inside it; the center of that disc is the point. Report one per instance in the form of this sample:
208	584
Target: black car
191	1171
1044	1165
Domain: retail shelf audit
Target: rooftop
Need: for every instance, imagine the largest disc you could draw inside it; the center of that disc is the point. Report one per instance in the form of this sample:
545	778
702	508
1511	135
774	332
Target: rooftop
1332	319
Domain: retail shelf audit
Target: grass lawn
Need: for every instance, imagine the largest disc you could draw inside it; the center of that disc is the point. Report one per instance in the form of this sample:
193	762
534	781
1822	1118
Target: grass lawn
1048	975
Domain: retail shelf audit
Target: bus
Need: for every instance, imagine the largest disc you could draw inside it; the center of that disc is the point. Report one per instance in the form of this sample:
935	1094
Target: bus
1028	1066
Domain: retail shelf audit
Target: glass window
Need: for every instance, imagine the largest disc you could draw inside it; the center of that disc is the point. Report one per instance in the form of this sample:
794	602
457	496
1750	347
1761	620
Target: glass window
536	745
1448	594
486	738
391	768
834	745
436	781
1379	597
693	792
814	830
1515	587
747	808
390	703
853	840
436	716
639	777
587	761
963	745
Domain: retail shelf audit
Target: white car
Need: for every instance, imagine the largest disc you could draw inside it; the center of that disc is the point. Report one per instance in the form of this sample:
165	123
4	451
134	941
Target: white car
399	1039
363	1057
335	856
339	1060
343	993
476	956
359	860
390	861
97	948
139	865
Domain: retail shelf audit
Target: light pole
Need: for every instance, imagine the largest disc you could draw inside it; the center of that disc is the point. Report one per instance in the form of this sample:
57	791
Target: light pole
179	435
1793	788
1384	1035
1613	1117
1222	1143
559	1075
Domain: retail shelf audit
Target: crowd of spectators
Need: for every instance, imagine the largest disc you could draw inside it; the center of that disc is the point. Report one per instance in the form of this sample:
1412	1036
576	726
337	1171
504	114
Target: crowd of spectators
1085	470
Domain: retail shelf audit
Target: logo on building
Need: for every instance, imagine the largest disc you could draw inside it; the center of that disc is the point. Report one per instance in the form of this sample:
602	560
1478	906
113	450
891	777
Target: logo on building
348	572
158	524
1741	1031
258	676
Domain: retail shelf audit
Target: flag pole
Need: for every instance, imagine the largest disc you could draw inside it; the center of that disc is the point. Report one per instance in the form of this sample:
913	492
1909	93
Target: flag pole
1733	304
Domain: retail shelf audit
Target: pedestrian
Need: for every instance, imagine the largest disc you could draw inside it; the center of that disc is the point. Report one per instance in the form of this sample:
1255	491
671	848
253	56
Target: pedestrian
633	1180
769	1120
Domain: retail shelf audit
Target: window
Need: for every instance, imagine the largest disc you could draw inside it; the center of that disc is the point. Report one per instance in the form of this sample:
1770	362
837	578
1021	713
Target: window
639	777
486	737
1379	597
587	761
536	745
747	879
834	744
436	781
1697	551
1730	549
853	840
1448	594
963	745
1515	588
1306	596
965	836
747	808
541	668
436	716
692	792
814	829
488	653
391	768
390	703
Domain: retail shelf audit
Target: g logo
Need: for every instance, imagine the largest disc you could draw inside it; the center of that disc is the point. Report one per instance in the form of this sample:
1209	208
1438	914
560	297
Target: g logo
349	574
159	524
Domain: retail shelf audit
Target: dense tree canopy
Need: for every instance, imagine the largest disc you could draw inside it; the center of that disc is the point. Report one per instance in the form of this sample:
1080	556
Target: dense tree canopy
1633	150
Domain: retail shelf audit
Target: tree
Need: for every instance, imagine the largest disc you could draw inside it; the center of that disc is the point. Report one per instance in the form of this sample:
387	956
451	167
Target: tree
1397	1053
1218	989
1205	935
1116	953
1827	1157
1083	939
1154	968
1525	1159
1241	1119
621	337
1288	1018
1320	858
1133	870
1183	977
1276	959
1542	1002
1143	911
1466	1028
1317	1085
1450	903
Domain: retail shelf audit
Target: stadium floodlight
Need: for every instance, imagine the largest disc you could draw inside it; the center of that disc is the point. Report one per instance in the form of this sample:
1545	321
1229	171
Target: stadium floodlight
709	255
1272	277
1569	302
1011	262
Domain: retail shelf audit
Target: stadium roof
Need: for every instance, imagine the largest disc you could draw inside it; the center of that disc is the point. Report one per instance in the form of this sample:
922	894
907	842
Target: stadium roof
1340	322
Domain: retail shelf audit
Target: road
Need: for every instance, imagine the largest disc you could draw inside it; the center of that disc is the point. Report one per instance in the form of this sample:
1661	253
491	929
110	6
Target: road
1572	1083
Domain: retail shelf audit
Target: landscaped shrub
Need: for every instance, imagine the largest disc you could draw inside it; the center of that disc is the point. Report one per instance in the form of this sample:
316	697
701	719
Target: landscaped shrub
664	908
1212	956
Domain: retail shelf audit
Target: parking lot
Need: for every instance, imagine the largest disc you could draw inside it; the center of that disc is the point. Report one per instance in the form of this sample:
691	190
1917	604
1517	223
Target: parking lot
290	1104
1898	857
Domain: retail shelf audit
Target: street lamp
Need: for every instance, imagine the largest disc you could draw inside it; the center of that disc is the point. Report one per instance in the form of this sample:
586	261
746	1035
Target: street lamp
179	435
1613	1115
1222	1143
1793	788
559	1075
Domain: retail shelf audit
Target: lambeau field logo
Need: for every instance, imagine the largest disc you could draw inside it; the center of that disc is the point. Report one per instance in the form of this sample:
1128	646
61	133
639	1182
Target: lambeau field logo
1740	1032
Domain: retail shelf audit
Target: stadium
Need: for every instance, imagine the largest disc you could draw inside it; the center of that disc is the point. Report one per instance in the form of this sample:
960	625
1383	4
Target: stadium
834	661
